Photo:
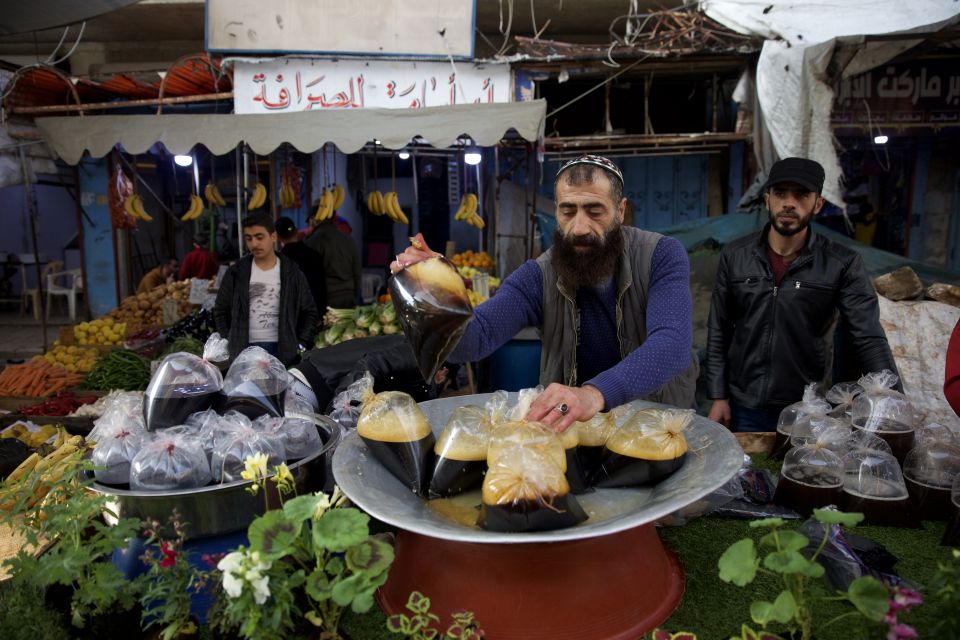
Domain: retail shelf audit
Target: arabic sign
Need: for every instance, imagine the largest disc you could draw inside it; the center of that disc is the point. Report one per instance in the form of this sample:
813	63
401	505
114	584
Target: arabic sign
293	84
421	28
919	93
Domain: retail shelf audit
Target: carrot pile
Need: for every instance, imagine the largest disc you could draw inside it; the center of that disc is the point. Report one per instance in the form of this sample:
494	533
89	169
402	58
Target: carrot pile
36	378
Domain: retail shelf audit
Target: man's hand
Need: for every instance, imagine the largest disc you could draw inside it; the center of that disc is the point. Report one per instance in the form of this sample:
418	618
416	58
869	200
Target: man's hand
582	403
720	412
416	252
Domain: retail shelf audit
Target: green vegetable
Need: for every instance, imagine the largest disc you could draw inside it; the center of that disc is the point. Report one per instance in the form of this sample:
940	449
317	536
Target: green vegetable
118	369
186	343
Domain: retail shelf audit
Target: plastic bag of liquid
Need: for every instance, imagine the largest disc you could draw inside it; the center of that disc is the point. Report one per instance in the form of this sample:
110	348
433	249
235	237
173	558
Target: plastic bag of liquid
298	430
255	384
184	384
873	485
348	403
461	452
810	406
649	447
525	489
399	436
841	396
234	445
885	412
811	477
167	462
115	450
827	432
930	471
124	410
433	308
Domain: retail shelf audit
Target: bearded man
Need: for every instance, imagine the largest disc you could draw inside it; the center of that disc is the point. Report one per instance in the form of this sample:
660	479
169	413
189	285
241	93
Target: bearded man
612	304
777	297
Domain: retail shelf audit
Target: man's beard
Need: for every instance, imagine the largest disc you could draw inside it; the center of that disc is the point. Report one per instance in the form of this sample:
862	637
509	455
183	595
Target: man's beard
591	266
798	227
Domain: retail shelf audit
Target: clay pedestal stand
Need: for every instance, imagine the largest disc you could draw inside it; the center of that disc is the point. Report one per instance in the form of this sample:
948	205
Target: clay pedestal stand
618	586
607	578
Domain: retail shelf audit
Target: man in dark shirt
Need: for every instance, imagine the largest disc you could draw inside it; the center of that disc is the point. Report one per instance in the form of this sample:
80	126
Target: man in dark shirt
200	262
341	263
309	261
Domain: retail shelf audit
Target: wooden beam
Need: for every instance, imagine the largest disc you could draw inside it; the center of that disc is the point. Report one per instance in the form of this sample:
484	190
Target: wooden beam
122	104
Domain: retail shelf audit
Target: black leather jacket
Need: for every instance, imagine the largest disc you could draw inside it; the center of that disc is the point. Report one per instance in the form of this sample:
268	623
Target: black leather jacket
766	342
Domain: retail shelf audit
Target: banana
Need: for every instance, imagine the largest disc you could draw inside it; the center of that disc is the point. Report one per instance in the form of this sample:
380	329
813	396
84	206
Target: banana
324	209
128	207
477	221
394	210
137	205
213	196
472	202
378	199
338	196
258	197
195	209
25	467
370	202
388	206
462	209
288	196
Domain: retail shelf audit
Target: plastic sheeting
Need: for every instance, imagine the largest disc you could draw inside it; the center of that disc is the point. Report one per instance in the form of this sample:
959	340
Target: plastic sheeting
792	82
348	129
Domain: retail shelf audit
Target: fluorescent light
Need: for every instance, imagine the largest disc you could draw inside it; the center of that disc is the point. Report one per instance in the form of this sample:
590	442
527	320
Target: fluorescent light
881	139
183	161
472	157
403	155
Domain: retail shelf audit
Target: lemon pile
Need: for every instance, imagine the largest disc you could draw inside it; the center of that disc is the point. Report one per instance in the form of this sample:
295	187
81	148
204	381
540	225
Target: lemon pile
100	331
470	258
72	358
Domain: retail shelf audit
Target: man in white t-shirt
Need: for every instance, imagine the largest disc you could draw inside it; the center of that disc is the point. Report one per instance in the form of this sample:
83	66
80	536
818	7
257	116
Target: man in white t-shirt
265	300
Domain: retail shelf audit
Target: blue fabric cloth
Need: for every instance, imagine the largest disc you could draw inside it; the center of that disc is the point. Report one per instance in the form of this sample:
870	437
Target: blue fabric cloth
518	303
747	419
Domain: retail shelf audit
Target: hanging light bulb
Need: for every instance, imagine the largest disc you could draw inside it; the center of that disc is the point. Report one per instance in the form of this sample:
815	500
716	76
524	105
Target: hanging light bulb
472	156
404	154
183	161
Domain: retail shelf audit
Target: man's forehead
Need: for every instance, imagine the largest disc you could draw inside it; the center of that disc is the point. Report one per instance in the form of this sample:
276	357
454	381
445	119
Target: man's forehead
255	230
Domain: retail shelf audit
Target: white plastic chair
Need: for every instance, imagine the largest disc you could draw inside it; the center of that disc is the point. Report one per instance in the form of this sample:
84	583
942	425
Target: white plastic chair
65	283
370	284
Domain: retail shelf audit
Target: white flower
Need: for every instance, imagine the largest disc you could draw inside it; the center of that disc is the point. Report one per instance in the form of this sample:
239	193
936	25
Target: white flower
255	467
230	562
260	590
323	503
232	585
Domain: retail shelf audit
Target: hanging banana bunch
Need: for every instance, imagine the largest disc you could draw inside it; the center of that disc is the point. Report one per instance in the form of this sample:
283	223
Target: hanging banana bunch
392	205
258	198
213	196
325	208
467	212
195	210
133	205
288	197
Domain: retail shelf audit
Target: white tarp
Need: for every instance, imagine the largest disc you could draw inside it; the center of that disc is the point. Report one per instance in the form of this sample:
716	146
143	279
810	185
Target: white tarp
348	129
918	332
793	82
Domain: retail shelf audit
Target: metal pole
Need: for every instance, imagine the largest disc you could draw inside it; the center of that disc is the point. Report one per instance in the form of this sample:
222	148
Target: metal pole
415	213
241	191
31	213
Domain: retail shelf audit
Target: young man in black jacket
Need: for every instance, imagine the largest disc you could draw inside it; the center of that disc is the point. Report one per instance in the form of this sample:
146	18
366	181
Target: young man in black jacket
265	300
309	261
777	297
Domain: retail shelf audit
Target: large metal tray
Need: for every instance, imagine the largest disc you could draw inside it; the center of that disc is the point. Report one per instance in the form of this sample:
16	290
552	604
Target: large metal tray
714	457
219	508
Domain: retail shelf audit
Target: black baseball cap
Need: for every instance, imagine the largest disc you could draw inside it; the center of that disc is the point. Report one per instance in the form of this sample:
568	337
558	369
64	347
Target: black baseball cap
806	173
285	227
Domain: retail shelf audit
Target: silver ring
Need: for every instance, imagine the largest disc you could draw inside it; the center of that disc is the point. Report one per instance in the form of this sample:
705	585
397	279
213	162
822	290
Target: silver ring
563	408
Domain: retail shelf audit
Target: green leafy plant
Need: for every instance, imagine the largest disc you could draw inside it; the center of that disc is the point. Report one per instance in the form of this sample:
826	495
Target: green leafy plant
53	506
167	585
422	624
660	634
310	559
945	595
793	606
748	633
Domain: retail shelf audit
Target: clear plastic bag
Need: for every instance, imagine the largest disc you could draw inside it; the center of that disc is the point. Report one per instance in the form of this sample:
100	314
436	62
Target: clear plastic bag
873	485
255	384
433	309
649	447
844	556
810	406
238	443
461	452
182	385
930	471
348	403
525	489
811	477
841	396
823	431
115	449
399	436
296	429
936	432
886	412
167	462
125	410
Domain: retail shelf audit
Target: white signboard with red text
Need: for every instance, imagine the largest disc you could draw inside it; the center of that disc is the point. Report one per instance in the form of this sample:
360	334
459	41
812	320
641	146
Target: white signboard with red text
294	84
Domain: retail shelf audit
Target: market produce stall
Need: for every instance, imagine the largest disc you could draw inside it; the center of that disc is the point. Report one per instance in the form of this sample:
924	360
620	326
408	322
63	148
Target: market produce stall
518	583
